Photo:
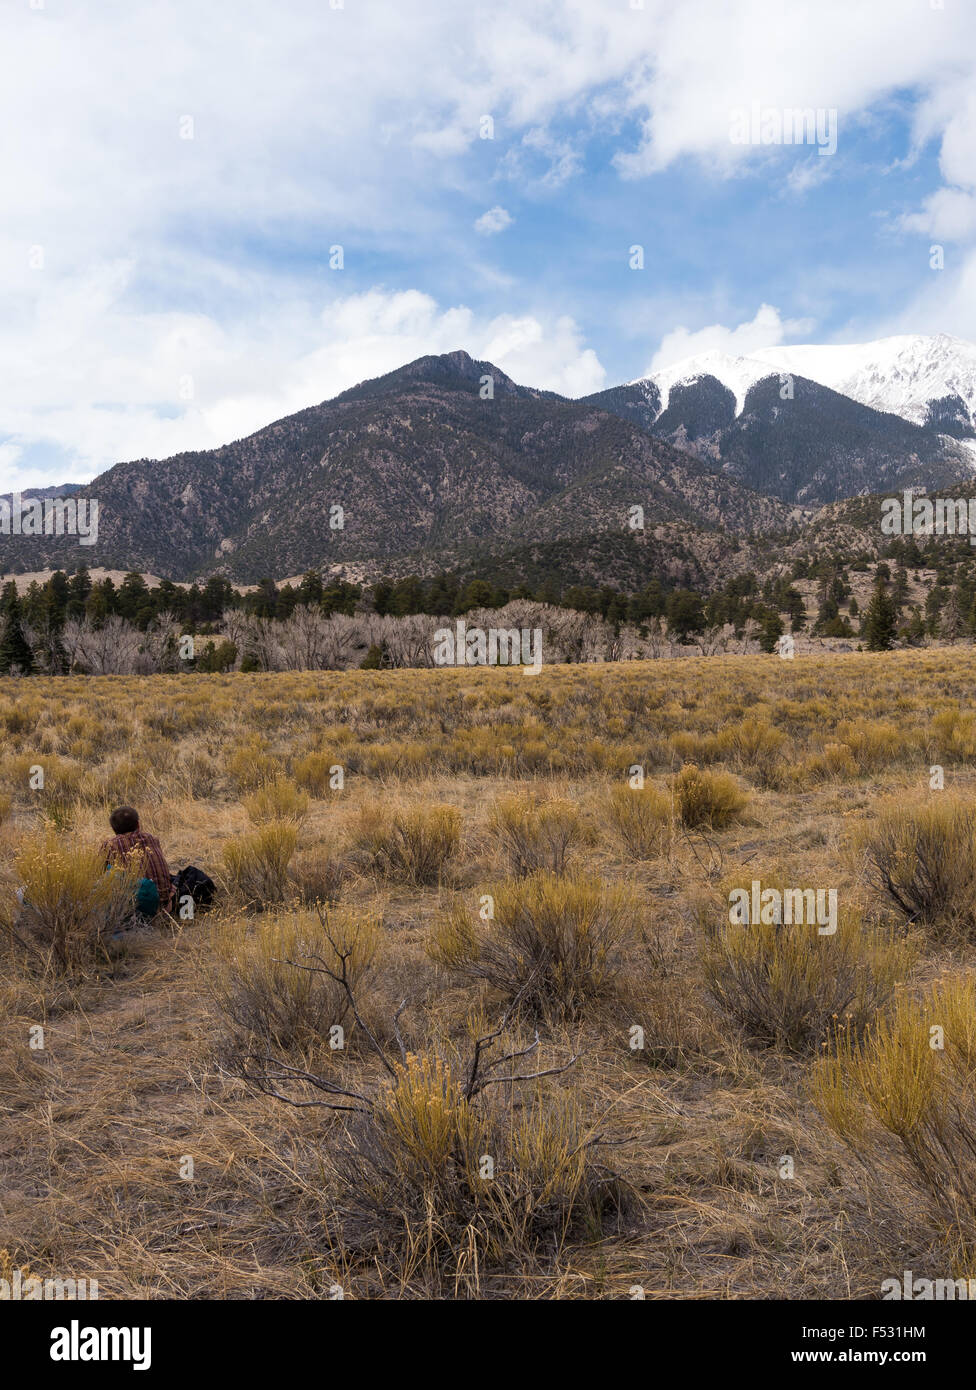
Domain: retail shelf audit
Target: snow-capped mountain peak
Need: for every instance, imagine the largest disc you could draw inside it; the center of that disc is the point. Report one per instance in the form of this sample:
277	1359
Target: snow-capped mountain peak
739	374
900	375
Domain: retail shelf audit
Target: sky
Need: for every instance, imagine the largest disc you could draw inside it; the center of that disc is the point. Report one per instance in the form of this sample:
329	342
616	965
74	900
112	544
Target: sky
216	214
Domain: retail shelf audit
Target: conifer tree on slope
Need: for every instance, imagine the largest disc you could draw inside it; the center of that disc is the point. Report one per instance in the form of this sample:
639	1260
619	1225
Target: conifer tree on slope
15	651
880	620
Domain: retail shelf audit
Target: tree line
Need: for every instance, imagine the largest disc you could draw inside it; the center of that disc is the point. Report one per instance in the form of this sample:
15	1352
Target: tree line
46	627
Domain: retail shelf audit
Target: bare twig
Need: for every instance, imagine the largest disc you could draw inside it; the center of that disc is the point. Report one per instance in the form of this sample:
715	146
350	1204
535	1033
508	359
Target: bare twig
264	1079
530	1076
396	1030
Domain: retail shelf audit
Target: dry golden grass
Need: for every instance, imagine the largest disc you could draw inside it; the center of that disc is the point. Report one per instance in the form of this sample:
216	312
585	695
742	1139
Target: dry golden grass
278	800
902	1099
71	907
794	987
547	942
710	799
922	861
643	818
412	844
256	864
678	1152
535	832
267	984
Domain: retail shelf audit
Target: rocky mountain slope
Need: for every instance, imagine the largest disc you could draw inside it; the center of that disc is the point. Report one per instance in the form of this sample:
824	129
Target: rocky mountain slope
813	424
447	463
415	467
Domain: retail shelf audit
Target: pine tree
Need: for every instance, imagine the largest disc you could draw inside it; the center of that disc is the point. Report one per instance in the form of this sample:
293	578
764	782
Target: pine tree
15	651
880	619
79	589
772	631
375	659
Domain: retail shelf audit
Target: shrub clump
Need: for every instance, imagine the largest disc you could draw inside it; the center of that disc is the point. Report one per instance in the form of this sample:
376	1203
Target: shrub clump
902	1098
873	744
315	773
642	819
257	863
277	800
450	1183
755	748
251	765
412	846
712	800
551	942
72	903
836	762
263	984
318	877
536	833
922	859
790	986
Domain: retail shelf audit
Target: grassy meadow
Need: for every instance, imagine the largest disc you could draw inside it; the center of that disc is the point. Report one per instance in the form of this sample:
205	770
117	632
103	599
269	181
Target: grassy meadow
469	1018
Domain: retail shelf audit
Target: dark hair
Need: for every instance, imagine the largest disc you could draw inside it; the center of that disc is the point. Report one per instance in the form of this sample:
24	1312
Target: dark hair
124	820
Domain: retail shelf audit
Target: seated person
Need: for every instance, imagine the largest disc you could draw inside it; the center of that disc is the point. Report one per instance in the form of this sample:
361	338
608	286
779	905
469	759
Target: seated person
131	846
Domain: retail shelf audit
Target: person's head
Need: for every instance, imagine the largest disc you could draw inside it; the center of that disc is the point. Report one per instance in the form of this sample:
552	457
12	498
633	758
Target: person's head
124	820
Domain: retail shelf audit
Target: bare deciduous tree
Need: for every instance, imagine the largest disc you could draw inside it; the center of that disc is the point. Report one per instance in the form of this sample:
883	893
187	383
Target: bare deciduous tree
110	649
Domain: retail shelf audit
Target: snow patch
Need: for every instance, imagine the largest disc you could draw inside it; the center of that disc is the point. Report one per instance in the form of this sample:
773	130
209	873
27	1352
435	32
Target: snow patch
739	374
898	375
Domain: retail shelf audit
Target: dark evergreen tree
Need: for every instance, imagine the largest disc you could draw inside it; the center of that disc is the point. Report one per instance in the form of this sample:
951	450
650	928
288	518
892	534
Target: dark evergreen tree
376	658
310	589
880	620
770	632
79	589
685	613
16	656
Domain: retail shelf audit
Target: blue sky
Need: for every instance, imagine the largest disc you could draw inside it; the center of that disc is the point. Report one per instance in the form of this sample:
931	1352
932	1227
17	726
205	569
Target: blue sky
177	176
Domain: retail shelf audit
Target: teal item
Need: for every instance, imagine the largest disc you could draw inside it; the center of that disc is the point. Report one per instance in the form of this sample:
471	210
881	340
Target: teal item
147	897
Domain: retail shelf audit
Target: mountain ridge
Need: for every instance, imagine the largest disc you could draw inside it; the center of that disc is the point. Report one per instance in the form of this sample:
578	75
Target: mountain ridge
425	461
901	375
797	437
447	461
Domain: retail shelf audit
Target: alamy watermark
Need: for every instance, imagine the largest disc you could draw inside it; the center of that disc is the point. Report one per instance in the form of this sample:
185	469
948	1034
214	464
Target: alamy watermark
496	646
909	515
21	1287
912	1288
784	907
50	516
77	1343
784	125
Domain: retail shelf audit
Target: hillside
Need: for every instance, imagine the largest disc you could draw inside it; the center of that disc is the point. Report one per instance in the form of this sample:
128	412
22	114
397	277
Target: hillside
810	447
420	465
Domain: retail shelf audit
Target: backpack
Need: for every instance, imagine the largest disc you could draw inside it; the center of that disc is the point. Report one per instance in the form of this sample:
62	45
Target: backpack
194	883
147	898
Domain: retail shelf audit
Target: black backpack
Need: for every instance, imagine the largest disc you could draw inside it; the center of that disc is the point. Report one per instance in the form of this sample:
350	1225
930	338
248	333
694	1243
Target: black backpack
194	883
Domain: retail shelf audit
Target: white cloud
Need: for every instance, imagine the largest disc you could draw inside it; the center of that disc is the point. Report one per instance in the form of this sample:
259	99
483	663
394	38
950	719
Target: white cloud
129	398
767	329
493	221
307	119
709	60
945	302
9	470
543	159
311	108
949	214
806	174
948	113
552	358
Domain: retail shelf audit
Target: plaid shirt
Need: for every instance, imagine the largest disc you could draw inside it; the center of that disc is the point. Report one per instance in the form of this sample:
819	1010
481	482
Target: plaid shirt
146	852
